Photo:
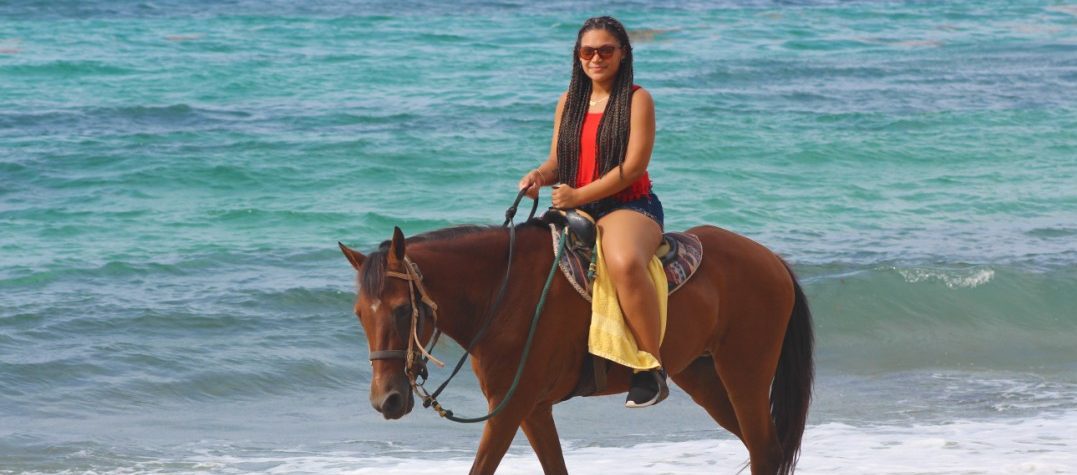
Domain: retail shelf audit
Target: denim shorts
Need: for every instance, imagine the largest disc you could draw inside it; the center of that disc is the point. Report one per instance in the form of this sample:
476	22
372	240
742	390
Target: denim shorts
648	206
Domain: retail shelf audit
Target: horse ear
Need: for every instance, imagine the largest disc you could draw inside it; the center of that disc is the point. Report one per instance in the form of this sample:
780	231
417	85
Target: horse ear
355	257
396	249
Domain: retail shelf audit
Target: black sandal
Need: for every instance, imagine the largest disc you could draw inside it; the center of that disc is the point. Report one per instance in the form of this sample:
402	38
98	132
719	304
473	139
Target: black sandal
648	388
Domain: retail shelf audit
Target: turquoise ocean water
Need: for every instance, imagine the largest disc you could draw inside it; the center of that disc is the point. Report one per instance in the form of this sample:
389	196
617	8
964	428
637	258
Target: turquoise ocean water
174	177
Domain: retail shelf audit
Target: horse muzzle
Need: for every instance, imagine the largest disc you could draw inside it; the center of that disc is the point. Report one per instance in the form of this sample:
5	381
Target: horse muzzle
393	399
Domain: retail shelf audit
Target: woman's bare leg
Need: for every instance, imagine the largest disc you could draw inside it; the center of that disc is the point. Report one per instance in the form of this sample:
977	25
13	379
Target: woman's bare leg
629	240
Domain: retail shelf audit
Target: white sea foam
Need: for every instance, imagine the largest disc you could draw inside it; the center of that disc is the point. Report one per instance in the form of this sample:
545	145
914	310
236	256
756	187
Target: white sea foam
953	278
1044	444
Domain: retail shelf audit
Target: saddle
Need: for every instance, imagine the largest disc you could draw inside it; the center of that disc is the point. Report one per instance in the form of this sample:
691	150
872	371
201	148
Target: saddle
679	253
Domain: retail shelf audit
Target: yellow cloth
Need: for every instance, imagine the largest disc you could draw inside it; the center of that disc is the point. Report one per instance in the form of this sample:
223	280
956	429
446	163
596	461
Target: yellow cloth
609	336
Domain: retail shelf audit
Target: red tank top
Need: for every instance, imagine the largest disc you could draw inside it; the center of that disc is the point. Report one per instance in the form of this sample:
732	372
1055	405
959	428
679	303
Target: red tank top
587	171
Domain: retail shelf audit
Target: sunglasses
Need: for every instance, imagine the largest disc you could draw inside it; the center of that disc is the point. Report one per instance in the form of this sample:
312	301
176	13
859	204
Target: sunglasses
604	52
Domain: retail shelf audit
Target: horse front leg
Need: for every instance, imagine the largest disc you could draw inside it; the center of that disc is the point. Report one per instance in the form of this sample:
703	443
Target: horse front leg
526	406
497	435
542	433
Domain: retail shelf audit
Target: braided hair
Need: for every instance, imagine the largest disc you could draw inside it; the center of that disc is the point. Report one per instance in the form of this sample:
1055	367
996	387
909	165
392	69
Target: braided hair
614	126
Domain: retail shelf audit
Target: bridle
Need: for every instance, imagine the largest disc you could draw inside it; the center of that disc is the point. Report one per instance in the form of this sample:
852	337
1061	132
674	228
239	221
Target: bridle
414	365
416	355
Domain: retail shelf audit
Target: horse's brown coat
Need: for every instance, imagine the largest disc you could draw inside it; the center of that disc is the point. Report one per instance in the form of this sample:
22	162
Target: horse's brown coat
726	333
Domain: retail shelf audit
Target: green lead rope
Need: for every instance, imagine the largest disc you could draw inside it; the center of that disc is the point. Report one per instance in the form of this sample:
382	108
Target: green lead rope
448	414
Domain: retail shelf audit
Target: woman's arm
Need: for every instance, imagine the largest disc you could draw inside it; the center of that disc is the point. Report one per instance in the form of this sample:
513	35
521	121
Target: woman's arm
637	157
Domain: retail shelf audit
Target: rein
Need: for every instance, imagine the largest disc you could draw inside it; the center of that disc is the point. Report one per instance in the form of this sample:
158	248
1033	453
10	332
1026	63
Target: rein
416	355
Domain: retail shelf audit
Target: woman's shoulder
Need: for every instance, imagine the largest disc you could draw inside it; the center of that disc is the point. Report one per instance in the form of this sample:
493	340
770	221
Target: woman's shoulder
641	96
638	92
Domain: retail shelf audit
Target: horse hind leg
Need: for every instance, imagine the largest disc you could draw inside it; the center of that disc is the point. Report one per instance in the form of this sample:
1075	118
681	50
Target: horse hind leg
700	380
542	434
748	382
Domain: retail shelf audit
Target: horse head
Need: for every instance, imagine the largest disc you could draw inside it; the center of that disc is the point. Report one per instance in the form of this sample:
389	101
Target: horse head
385	310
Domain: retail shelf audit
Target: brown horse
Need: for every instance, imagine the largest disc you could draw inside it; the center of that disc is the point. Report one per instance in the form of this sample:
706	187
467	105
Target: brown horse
738	339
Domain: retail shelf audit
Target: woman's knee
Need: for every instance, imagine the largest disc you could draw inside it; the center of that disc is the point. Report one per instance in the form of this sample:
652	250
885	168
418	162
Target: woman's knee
626	266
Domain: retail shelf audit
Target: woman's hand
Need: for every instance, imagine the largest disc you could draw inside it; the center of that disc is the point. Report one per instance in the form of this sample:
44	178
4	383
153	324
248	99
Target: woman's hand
531	182
566	197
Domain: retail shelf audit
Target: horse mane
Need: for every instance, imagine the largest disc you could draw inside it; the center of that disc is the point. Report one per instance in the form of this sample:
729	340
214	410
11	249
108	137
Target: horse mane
372	276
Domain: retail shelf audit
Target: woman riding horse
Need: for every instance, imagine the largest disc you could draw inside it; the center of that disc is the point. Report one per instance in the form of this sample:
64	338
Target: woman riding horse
606	165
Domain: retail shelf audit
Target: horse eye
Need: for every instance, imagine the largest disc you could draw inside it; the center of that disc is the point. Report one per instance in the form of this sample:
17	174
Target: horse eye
402	313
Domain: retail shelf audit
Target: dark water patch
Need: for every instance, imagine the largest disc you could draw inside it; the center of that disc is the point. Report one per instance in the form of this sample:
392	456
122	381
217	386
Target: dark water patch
146	357
157	255
222	177
25	277
339	151
11	168
763	71
341	58
115	270
65	69
175	114
125	363
28	378
124	376
224	144
370	123
924	81
14	124
191	324
331	119
299	300
283	377
99	120
186	297
7	339
827	45
1052	233
16	319
63	231
260	217
191	177
112	308
439	37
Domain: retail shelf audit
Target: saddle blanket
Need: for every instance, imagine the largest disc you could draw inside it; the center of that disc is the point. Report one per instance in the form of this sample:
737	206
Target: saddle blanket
680	255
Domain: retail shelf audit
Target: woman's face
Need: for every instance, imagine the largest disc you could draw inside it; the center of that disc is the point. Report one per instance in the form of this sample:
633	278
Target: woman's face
598	68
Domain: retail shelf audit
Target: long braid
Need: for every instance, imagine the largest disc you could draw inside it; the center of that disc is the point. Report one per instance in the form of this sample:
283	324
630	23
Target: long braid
614	127
568	136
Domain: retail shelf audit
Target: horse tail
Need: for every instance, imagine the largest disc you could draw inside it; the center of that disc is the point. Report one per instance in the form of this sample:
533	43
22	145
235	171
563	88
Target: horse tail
790	392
